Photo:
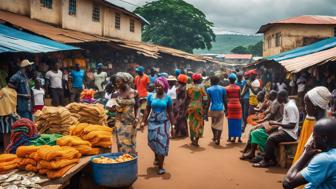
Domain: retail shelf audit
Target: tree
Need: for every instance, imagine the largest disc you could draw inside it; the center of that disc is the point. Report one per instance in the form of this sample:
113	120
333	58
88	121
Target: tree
176	24
255	49
240	50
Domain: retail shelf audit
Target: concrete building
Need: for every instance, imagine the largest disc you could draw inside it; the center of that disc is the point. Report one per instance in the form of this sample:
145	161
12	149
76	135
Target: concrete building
98	17
287	34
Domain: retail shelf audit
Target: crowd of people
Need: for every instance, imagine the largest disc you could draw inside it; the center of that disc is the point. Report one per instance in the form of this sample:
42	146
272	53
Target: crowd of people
177	105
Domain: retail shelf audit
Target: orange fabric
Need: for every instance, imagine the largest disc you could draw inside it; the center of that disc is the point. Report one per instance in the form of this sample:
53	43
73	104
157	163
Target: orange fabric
307	130
53	174
7	157
182	78
57	164
140	83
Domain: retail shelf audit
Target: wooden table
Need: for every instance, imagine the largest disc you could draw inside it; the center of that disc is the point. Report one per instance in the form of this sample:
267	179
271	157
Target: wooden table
65	179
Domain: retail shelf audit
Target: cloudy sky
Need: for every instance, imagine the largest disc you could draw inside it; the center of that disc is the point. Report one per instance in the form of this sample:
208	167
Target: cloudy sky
246	16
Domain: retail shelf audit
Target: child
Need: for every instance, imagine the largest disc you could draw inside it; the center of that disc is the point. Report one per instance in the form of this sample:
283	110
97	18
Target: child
38	94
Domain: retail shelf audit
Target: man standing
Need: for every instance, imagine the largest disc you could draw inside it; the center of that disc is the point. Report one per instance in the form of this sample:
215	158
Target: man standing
77	78
321	159
55	82
141	82
287	130
19	82
99	79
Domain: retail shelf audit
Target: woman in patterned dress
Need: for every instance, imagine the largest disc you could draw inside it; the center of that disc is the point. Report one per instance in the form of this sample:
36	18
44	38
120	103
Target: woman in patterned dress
158	117
125	106
234	110
197	99
180	107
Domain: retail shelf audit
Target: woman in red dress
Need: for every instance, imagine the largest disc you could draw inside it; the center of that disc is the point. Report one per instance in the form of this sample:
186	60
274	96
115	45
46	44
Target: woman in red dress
234	110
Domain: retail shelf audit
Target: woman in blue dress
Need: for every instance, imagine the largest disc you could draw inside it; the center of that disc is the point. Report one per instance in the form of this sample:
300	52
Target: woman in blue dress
158	117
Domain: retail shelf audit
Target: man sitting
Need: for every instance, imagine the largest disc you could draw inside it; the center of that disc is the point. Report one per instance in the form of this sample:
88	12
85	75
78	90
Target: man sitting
286	130
321	156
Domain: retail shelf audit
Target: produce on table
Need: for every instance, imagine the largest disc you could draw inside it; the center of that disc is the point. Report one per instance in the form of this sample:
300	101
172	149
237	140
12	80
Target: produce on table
106	160
54	120
89	113
16	179
84	147
8	162
87	94
97	135
54	161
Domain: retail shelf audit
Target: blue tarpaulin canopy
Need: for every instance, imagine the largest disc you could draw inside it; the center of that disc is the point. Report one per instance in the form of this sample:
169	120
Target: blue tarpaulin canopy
302	51
13	40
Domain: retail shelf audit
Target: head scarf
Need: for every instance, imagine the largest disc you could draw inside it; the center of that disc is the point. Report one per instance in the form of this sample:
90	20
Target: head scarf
182	78
232	76
196	77
320	96
140	69
126	77
164	74
163	82
177	72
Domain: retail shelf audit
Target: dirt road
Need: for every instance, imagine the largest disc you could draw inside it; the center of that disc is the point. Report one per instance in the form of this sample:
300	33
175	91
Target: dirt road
209	166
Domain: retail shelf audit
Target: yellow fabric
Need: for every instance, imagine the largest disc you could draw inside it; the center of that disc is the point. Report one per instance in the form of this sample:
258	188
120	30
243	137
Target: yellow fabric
7	157
26	151
8	99
53	174
56	152
71	141
307	130
57	164
253	99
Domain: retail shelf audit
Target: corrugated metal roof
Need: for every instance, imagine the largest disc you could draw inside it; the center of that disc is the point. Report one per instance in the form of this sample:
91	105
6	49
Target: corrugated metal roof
304	19
73	37
305	50
12	40
297	64
238	56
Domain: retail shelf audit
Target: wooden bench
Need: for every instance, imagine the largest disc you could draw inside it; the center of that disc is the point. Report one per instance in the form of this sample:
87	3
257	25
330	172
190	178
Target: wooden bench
286	153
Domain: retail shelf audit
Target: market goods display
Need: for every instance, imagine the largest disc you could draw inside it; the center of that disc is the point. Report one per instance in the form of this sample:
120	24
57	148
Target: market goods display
84	147
107	160
87	95
17	179
54	120
23	130
97	135
89	113
8	162
45	139
54	161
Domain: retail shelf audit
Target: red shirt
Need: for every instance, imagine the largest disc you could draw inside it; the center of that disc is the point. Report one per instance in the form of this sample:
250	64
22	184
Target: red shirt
141	83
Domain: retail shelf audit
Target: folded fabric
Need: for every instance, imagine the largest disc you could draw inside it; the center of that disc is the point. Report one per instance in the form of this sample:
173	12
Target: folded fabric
53	174
45	139
50	153
7	157
72	141
26	151
57	164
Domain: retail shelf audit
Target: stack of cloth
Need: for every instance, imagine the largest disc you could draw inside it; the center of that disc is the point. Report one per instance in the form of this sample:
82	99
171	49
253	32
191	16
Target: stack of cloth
8	162
53	161
53	120
89	113
97	135
23	130
45	139
84	147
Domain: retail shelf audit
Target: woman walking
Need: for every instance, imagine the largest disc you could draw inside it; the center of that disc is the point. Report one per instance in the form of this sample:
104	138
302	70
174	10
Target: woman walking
217	99
234	110
196	108
158	117
126	108
180	107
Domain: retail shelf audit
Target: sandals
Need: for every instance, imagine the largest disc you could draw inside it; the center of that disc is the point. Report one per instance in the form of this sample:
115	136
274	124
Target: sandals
264	164
161	171
243	157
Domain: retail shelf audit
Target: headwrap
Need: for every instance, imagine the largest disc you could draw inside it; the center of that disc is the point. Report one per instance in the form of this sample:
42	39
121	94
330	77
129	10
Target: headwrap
177	72
140	69
126	77
196	77
232	76
250	72
320	96
182	78
163	82
164	74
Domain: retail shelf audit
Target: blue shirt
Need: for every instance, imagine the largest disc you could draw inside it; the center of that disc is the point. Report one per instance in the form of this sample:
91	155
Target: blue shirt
20	81
321	171
153	78
159	104
77	79
242	84
216	94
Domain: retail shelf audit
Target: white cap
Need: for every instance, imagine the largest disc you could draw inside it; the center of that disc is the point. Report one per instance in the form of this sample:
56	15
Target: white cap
25	63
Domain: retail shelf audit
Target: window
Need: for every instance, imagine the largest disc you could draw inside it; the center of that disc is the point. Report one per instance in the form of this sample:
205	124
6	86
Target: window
269	42
278	39
46	3
72	7
132	27
96	13
117	21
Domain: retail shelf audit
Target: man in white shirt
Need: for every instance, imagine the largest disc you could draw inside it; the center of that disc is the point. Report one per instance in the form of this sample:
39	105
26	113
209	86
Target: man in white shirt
100	77
287	130
55	82
38	94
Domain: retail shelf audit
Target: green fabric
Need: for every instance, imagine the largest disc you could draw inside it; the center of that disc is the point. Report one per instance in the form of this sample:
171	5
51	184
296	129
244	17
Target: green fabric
259	137
21	129
46	139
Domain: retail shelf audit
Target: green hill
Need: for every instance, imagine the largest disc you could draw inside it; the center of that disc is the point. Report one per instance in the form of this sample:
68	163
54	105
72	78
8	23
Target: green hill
226	42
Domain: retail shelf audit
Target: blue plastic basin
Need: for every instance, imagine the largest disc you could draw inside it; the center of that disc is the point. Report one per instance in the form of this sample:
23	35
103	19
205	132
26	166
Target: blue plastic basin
115	175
